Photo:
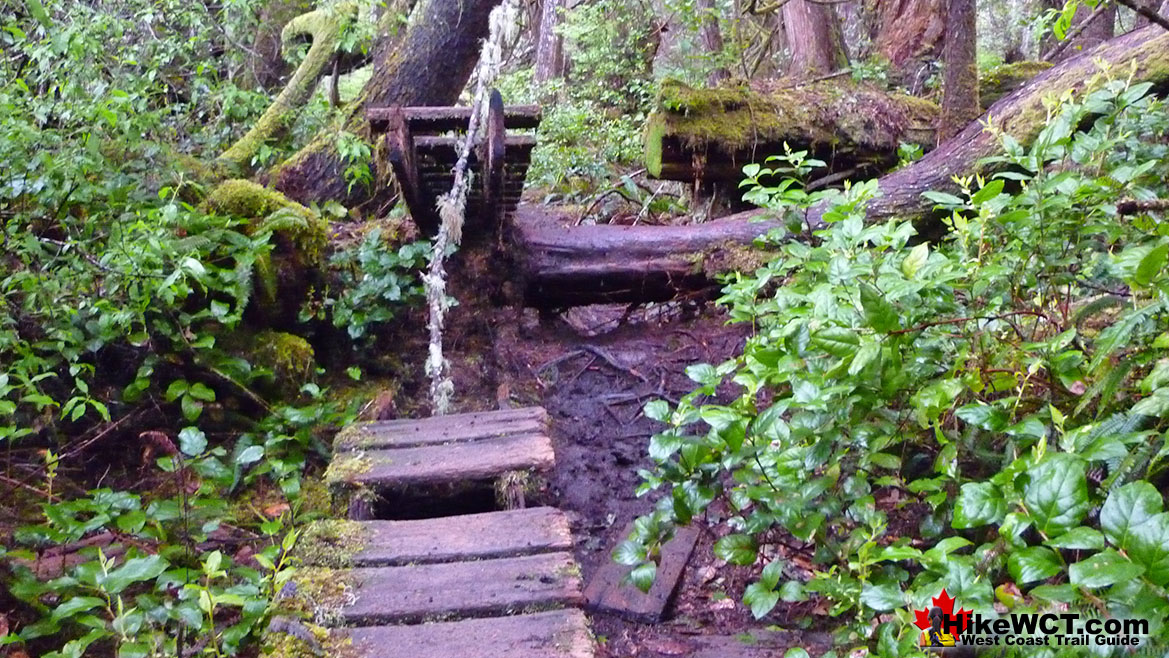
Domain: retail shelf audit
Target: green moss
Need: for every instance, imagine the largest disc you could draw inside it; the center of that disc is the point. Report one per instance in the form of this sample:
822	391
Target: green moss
835	112
325	27
332	543
998	81
290	358
300	234
344	468
317	594
352	437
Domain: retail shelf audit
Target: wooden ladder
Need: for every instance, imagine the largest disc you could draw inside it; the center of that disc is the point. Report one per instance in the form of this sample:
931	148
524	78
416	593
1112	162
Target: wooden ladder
422	146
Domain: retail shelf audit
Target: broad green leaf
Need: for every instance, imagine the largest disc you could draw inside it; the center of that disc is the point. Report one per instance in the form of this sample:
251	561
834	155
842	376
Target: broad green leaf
1155	405
1082	538
74	605
979	504
736	549
916	258
249	455
988	192
879	313
134	570
192	441
983	416
1148	545
1151	265
658	410
1103	569
1126	509
1057	494
837	341
760	599
882	597
642	576
1033	563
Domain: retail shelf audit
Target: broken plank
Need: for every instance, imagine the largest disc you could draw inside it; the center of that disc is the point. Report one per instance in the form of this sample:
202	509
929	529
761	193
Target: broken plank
607	592
490	535
552	634
459	590
442	464
408	433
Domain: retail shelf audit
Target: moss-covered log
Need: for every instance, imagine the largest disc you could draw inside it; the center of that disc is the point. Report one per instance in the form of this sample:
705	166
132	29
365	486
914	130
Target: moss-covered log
709	134
431	66
282	281
612	263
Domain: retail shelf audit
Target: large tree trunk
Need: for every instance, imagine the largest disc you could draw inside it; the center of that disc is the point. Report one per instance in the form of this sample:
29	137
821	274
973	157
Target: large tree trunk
712	40
612	263
431	67
960	85
814	38
550	45
909	33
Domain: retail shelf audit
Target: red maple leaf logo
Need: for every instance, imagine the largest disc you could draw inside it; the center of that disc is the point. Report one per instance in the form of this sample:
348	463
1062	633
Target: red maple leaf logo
946	603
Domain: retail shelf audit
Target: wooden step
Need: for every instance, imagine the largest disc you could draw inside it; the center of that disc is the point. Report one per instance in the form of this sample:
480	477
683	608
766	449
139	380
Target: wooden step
453	590
441	464
552	634
443	119
455	428
491	535
608	592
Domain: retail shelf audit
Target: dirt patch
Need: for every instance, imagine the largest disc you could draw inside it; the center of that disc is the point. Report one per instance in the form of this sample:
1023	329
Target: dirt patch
594	373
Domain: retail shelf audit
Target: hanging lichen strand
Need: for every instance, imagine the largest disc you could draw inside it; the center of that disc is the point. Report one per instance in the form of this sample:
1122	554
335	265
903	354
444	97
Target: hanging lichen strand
452	208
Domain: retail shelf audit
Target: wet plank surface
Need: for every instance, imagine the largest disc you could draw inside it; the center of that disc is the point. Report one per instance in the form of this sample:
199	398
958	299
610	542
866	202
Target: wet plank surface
554	634
413	594
467	537
478	426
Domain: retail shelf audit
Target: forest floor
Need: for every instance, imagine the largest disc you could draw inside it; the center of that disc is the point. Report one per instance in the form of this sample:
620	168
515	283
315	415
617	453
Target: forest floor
593	369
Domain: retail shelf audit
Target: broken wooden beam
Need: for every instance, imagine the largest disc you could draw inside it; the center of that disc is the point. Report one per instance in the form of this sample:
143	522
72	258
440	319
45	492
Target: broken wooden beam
608	591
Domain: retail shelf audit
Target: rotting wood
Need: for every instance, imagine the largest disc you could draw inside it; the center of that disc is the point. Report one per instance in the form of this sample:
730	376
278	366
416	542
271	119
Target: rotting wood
441	464
608	592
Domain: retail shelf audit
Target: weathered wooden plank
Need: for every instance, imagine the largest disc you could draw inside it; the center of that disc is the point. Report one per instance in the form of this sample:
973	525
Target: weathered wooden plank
443	119
552	634
442	464
607	593
454	590
485	536
406	433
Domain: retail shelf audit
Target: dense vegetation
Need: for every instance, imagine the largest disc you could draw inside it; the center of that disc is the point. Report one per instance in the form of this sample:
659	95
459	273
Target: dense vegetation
982	411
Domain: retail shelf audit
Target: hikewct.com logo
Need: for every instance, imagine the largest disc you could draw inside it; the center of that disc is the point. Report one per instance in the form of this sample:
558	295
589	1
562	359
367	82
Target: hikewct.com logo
941	627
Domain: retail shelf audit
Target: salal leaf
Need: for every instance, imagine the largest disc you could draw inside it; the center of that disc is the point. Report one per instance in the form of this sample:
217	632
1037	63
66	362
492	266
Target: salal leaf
1057	495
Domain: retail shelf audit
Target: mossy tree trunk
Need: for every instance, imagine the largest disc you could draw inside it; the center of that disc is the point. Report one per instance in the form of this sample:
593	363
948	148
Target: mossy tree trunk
960	85
266	66
712	40
814	38
430	67
668	260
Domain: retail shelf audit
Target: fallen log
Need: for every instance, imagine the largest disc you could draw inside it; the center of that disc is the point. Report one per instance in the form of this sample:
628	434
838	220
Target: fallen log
603	264
709	134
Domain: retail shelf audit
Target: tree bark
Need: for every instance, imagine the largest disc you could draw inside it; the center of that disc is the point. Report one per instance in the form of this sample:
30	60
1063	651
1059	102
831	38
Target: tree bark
610	263
960	85
550	45
437	55
909	33
814	38
712	40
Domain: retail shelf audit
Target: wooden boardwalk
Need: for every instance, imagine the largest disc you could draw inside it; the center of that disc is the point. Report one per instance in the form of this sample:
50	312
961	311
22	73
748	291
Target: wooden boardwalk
489	585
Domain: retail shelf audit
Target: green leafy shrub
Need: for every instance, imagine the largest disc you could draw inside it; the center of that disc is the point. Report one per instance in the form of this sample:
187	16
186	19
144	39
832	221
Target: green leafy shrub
980	414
